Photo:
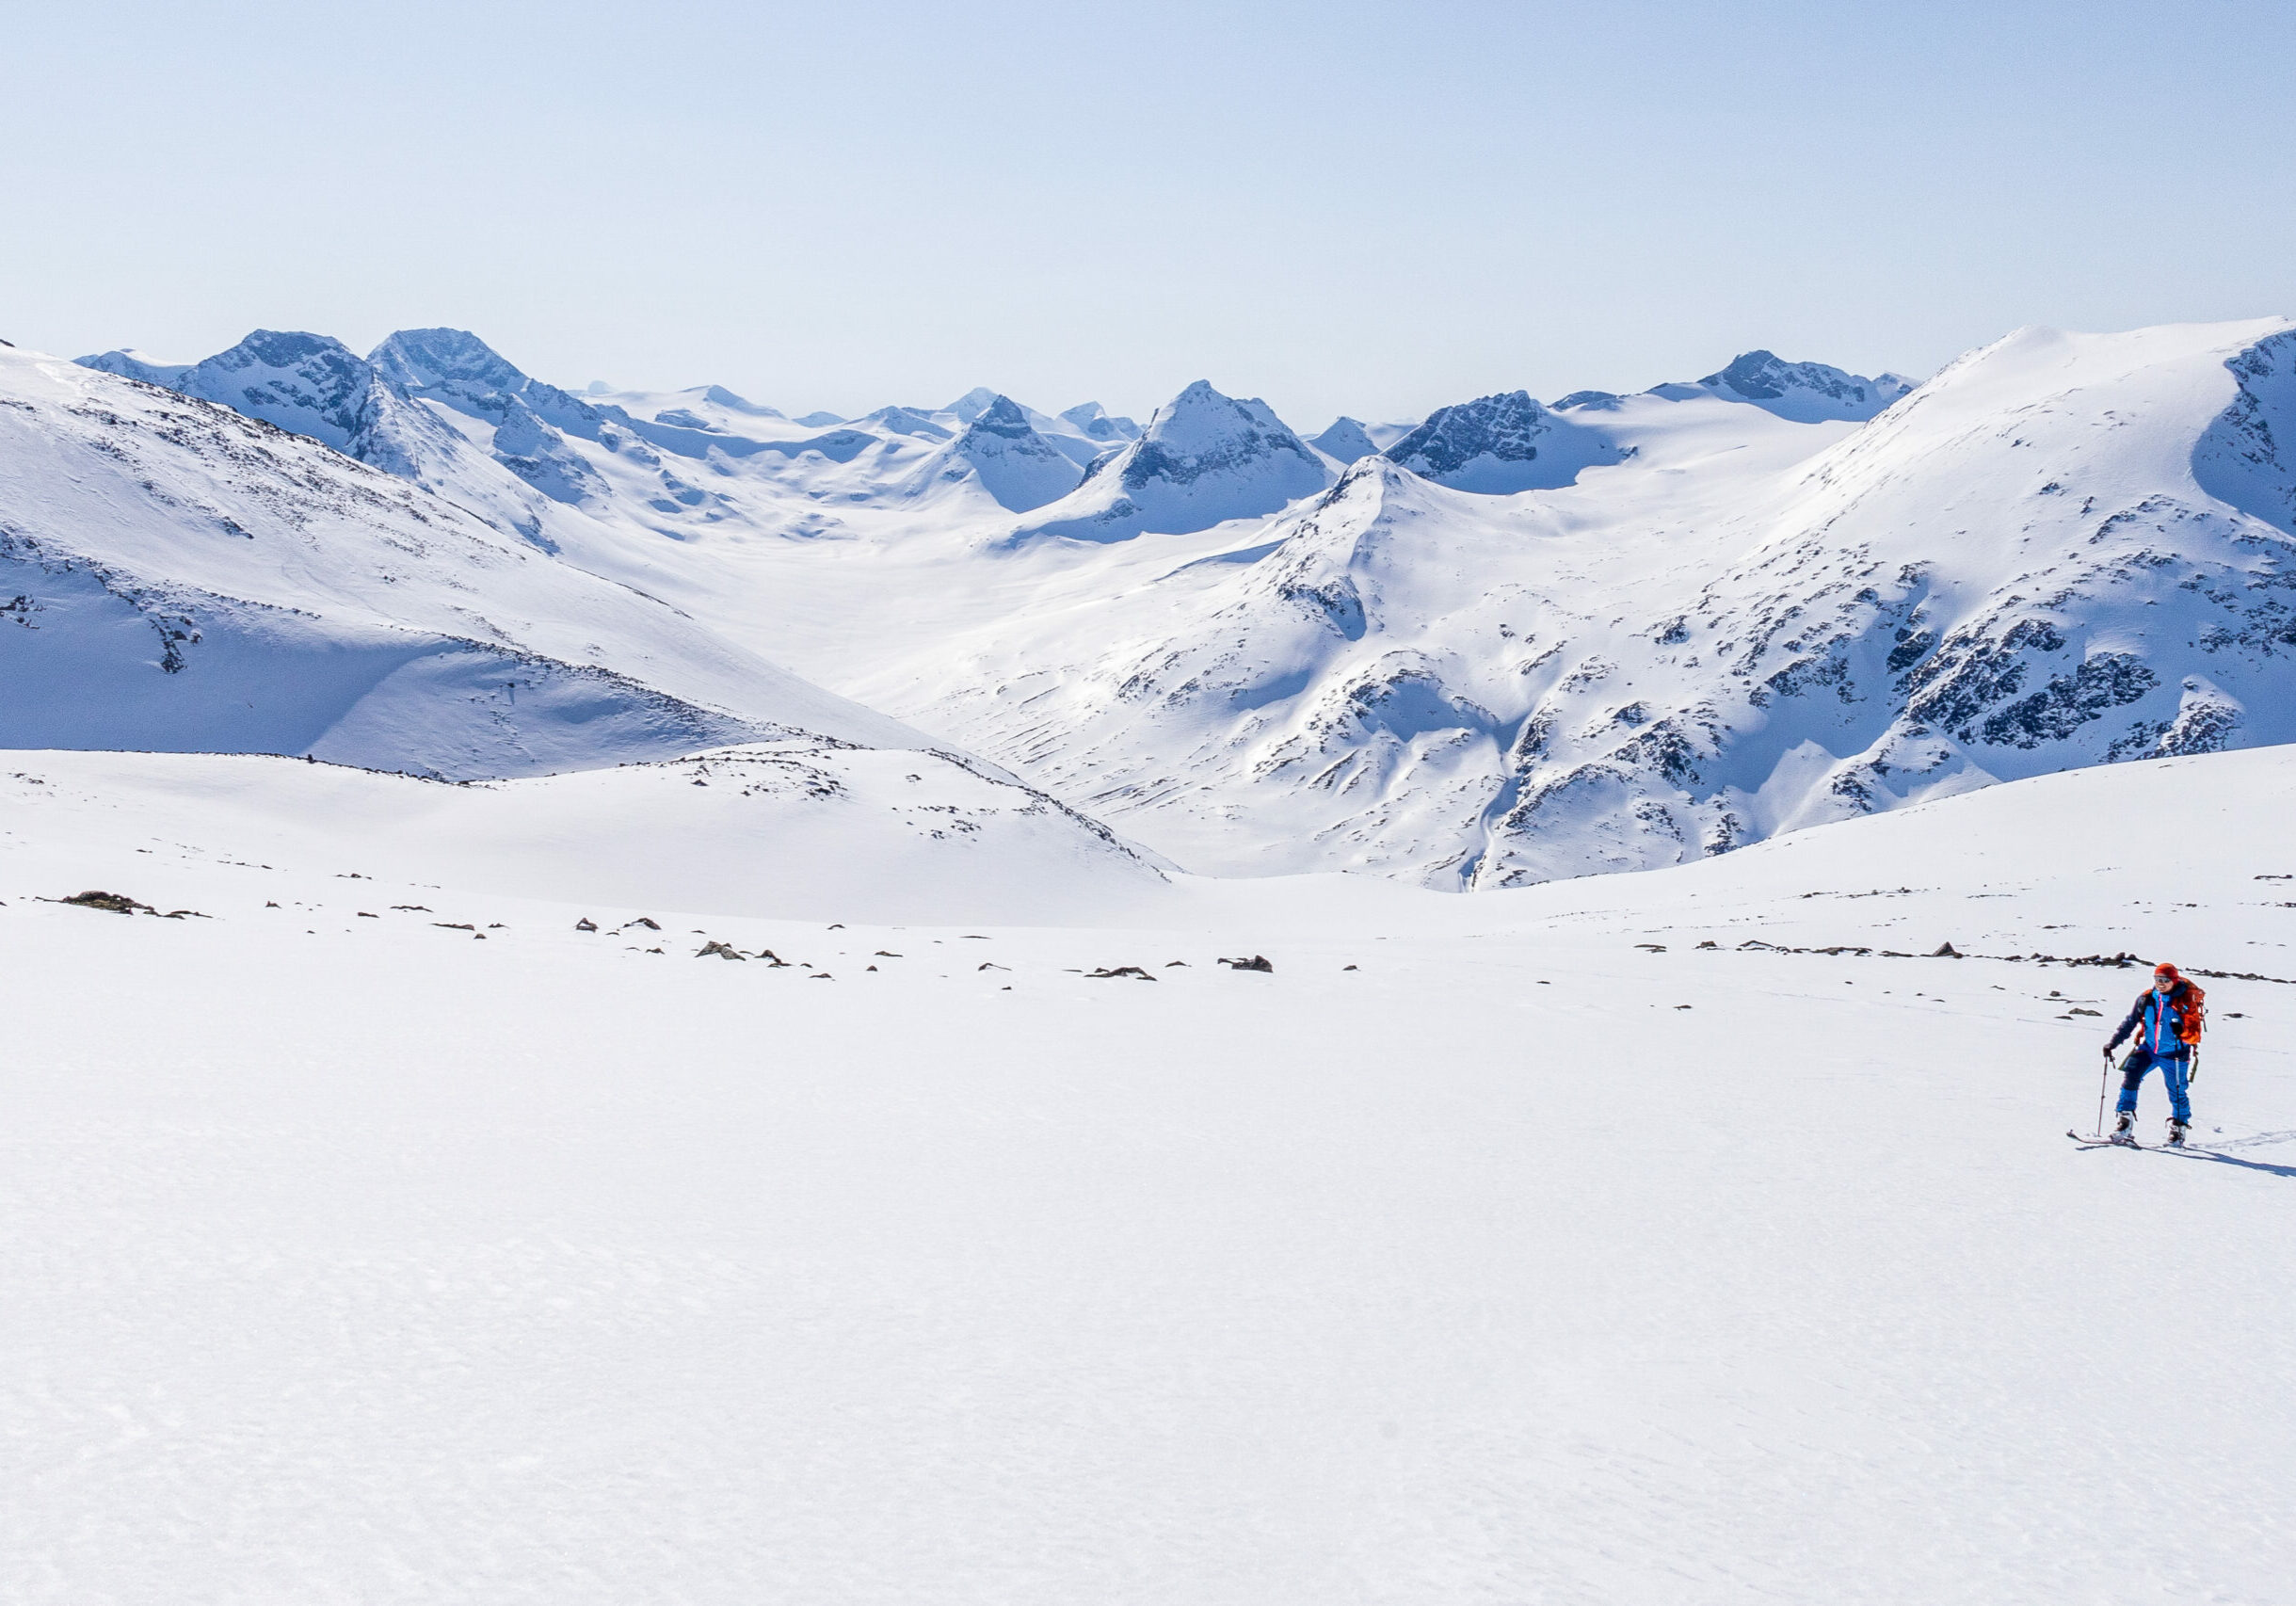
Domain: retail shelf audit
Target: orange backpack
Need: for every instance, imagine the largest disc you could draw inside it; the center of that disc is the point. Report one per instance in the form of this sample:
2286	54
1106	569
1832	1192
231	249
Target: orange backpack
2191	1005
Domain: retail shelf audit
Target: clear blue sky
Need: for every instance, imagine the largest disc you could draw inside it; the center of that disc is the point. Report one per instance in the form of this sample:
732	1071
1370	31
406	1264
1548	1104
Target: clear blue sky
1343	207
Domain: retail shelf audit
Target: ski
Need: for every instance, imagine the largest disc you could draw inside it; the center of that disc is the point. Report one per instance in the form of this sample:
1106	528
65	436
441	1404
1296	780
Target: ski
2087	1142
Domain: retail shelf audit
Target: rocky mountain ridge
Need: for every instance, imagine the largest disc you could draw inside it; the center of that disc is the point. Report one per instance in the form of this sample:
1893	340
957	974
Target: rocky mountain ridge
1514	641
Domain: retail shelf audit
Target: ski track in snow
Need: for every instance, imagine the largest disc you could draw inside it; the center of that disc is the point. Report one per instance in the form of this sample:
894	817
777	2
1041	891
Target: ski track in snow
379	1260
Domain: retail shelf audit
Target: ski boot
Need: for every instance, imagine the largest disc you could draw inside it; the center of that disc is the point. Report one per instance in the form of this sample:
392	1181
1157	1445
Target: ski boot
2124	1127
2175	1133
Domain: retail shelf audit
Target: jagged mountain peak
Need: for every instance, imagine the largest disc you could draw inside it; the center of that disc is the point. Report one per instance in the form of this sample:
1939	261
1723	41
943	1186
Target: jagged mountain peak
1504	427
281	348
1806	391
1201	422
458	369
311	384
1001	417
1204	458
1003	452
1502	444
422	358
1095	421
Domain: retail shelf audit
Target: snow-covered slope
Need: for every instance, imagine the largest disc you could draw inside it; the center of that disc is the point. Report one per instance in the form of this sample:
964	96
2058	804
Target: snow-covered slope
1526	641
802	827
179	577
2065	550
460	1255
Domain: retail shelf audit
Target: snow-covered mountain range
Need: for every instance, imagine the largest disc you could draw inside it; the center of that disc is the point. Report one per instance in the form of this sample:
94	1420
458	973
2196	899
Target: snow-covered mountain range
1512	641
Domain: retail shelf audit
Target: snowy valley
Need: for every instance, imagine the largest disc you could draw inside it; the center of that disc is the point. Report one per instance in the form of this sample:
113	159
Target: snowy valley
1522	641
621	996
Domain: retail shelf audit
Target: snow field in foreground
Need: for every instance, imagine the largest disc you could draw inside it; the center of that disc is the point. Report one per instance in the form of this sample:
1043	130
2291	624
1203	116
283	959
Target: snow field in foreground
375	1260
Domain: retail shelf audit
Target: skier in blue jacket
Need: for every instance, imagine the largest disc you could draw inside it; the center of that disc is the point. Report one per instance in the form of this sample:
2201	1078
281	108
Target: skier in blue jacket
2166	1022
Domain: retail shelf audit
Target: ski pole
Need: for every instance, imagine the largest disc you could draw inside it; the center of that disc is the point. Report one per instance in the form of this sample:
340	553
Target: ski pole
2104	1079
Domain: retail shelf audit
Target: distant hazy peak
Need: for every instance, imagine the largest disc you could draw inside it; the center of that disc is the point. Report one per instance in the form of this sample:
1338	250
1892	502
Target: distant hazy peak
132	364
972	403
1004	417
718	396
1802	390
1099	423
1345	442
907	420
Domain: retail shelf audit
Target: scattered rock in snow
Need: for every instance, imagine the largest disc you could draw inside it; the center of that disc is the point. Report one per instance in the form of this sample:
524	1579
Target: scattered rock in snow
722	950
586	924
1257	962
114	903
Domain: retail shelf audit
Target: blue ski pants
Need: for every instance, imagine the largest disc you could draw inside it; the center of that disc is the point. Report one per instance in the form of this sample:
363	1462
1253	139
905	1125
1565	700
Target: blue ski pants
2175	1070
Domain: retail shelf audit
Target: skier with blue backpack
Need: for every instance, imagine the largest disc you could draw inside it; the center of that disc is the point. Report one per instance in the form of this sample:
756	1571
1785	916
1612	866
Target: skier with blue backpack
2166	1022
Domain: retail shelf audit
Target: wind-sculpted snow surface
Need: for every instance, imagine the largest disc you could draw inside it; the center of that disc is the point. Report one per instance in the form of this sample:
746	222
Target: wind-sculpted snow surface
800	827
494	1196
176	575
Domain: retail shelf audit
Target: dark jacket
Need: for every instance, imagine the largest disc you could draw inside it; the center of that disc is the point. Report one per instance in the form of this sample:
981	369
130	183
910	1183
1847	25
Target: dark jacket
2160	1022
